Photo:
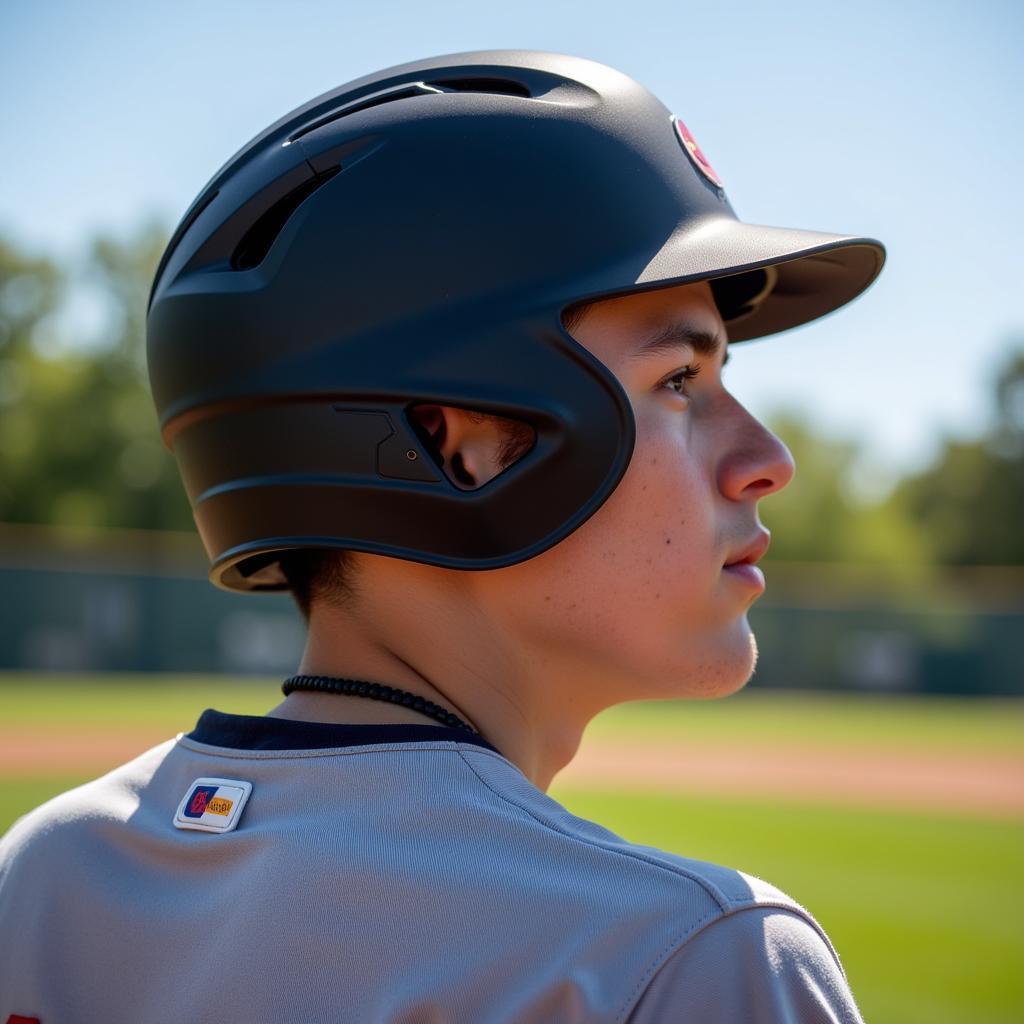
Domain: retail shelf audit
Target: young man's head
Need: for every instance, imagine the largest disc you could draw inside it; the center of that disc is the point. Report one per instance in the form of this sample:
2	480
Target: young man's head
426	234
635	604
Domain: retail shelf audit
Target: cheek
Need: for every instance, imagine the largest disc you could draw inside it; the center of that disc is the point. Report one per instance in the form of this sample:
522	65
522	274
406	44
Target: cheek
663	507
646	556
637	590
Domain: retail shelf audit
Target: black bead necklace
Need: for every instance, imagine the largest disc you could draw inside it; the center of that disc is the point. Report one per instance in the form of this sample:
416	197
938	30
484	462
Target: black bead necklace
375	691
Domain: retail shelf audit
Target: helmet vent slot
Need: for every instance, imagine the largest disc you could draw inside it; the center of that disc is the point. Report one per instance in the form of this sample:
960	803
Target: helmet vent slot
388	96
500	86
256	242
504	86
402	92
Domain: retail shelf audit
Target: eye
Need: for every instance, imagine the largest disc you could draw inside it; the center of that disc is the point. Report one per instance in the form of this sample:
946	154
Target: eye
681	376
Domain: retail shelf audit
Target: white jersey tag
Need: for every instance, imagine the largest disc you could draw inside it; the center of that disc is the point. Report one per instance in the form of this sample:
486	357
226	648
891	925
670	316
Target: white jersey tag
212	805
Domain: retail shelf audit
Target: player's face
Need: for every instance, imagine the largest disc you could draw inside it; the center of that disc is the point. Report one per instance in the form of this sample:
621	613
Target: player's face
638	592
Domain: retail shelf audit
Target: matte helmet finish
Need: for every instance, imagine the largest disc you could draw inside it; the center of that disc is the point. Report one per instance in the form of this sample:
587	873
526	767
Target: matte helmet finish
413	237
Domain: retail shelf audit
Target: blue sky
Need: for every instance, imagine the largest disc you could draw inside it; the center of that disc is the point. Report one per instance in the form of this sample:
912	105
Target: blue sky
895	120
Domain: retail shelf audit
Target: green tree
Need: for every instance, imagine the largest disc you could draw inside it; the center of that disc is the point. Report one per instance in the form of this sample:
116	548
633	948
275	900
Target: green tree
79	441
815	518
970	502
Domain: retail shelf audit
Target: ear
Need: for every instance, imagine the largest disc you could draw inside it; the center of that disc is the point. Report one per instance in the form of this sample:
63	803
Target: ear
466	443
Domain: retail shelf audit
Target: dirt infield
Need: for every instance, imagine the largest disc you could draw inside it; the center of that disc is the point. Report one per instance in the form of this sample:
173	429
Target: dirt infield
35	753
983	784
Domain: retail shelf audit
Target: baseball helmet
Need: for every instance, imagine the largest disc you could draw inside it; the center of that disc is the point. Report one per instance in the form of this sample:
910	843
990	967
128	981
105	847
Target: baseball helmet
414	237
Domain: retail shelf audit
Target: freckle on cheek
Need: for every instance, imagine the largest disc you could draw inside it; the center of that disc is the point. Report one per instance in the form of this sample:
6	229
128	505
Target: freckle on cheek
668	541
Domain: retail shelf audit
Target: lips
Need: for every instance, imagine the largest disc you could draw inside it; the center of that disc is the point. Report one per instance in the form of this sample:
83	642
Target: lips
745	573
753	551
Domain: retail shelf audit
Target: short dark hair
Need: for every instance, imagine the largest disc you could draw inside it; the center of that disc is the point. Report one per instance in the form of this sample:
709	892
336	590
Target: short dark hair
329	574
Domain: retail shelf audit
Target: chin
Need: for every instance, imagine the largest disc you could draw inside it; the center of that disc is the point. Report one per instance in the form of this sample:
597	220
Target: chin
728	669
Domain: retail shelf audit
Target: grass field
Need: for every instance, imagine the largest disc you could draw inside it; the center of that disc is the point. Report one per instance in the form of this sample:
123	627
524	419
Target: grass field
924	909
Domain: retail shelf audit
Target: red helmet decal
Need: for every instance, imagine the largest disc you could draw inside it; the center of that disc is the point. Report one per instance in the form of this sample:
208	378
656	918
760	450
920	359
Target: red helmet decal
693	151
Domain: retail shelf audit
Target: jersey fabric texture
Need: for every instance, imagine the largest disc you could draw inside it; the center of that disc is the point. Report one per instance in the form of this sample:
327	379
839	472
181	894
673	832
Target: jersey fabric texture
387	873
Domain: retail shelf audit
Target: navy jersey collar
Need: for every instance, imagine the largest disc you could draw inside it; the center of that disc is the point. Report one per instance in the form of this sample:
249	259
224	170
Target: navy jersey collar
259	732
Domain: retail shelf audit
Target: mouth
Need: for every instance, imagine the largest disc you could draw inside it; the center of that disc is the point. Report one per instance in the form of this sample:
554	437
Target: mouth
745	572
742	567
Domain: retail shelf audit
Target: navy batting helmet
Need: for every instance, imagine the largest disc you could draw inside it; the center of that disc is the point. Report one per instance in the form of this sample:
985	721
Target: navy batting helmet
414	237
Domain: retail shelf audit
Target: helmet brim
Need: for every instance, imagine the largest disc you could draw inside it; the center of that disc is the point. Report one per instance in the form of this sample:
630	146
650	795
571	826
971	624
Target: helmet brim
766	279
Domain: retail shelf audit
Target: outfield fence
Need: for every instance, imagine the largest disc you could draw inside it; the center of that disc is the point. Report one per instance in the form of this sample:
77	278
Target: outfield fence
140	601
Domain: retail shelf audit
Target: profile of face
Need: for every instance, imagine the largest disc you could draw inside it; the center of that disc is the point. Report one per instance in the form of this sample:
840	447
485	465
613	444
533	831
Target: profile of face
635	603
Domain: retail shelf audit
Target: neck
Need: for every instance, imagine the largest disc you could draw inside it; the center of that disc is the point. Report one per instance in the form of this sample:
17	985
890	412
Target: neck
429	632
537	738
538	755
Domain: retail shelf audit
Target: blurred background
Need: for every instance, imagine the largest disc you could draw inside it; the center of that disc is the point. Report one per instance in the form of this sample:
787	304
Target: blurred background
873	766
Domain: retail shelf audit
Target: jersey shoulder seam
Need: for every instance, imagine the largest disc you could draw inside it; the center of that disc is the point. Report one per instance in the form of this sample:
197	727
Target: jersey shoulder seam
712	890
727	904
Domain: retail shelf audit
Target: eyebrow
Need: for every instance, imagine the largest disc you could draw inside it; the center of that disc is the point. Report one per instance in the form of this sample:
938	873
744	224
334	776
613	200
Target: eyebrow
675	336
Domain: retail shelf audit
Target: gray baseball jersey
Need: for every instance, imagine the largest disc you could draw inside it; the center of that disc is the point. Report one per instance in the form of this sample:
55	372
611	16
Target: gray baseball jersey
259	869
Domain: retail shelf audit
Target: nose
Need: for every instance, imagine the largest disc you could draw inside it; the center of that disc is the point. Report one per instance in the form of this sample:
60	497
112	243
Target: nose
754	463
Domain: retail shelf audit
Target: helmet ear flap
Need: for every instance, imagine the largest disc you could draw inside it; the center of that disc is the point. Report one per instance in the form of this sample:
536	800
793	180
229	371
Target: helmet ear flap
480	445
428	423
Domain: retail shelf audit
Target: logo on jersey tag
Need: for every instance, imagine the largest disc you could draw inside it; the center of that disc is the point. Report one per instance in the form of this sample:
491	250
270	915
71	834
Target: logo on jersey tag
697	158
212	805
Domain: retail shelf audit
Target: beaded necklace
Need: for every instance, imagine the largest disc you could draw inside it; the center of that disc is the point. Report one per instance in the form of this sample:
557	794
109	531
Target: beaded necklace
375	691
